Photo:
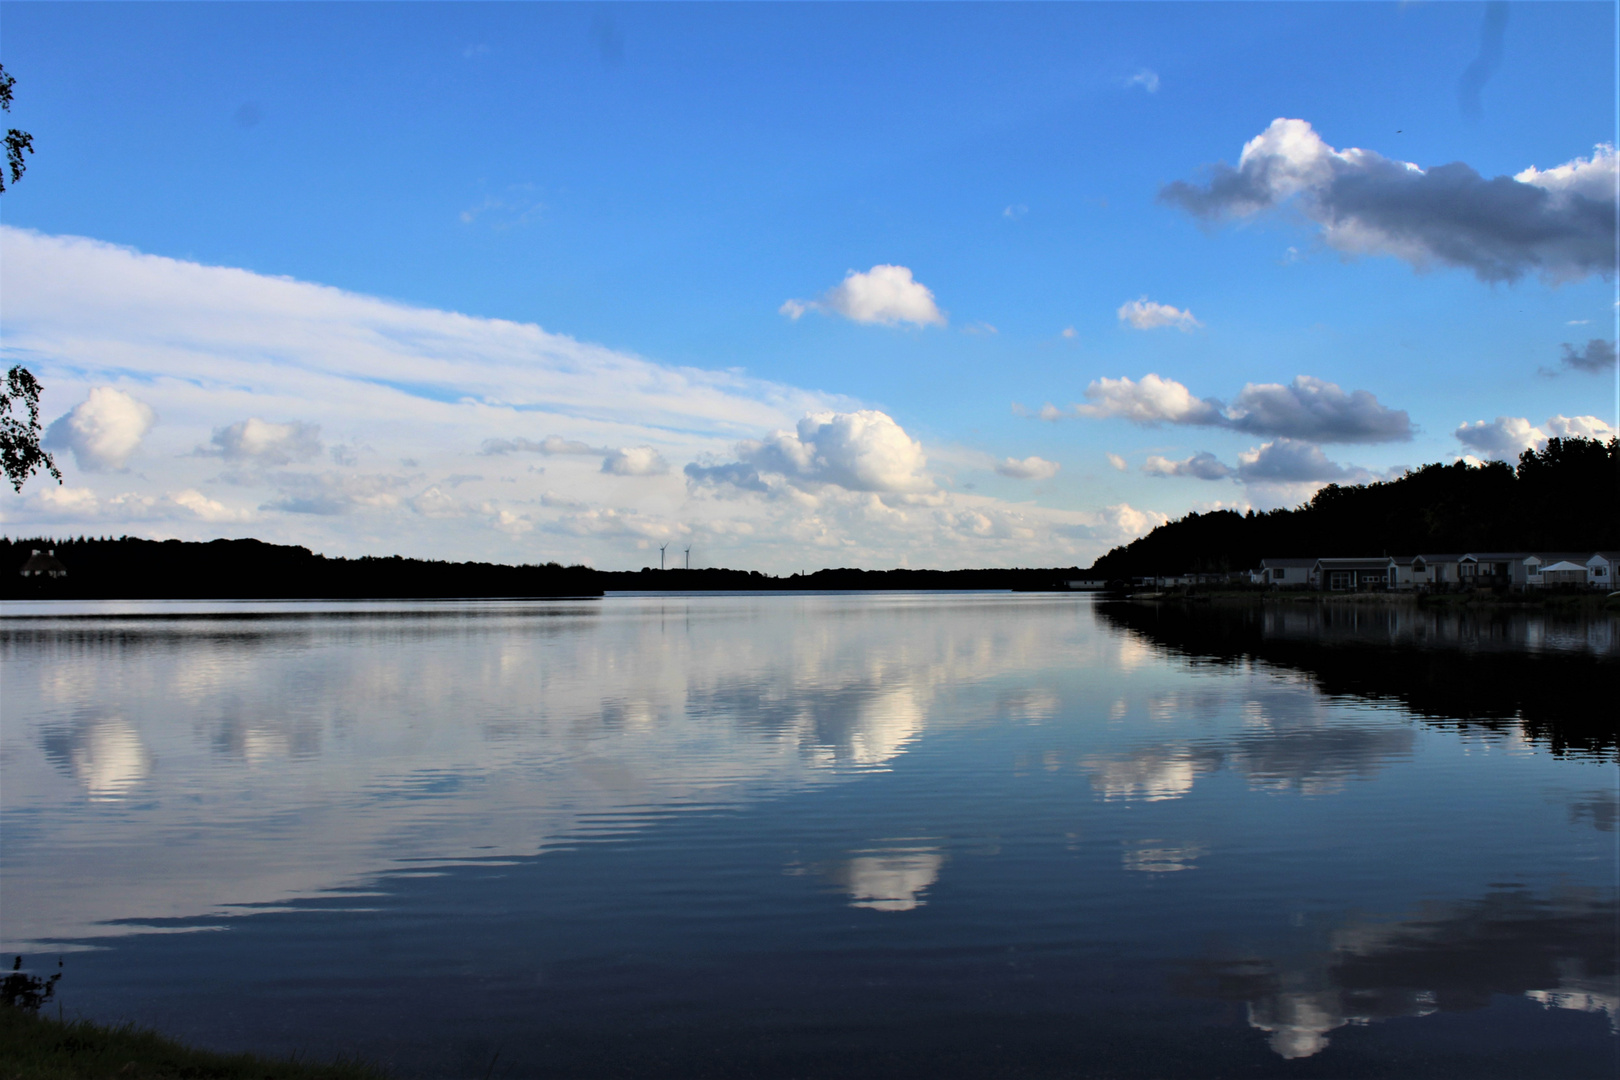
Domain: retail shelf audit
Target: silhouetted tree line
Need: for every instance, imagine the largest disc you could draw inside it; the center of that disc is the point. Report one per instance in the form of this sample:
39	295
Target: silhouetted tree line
132	569
1565	497
837	578
1563	701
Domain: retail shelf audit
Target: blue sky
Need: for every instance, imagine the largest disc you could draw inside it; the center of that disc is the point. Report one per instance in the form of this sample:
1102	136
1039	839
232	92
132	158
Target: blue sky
652	184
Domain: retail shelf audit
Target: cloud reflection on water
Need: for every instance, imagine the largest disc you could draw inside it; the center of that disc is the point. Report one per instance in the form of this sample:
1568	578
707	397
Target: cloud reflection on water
286	757
106	755
1452	957
1307	760
891	878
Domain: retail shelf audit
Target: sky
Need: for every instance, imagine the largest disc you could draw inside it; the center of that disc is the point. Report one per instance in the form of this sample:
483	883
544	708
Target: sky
793	285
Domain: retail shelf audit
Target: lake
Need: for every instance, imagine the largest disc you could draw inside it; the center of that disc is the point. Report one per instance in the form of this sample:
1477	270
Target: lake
822	835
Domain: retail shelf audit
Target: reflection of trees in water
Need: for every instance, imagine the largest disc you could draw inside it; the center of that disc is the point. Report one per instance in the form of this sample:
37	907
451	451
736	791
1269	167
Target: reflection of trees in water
1551	680
1444	957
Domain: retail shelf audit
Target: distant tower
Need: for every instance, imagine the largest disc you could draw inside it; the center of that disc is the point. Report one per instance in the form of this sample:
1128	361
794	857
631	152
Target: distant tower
661	555
689	556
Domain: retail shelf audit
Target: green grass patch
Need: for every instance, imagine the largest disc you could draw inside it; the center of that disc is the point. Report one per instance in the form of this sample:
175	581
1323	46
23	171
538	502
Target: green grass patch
34	1047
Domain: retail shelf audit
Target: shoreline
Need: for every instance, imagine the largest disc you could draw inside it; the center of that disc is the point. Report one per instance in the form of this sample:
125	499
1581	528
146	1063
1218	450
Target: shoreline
1591	603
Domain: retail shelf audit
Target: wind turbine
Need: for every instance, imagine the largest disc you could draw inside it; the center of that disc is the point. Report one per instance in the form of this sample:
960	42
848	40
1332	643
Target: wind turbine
689	556
661	554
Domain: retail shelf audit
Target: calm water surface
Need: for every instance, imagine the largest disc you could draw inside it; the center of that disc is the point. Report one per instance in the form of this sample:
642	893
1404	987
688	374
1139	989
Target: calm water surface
823	835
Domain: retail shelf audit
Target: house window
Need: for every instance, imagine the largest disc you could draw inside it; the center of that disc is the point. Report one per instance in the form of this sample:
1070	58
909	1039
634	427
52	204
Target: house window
1600	571
1339	579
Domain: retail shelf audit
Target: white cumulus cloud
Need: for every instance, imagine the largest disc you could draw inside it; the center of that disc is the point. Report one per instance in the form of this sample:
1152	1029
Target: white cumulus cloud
1307	408
885	294
1558	222
103	430
265	443
858	451
1153	400
1030	468
437	420
635	461
1506	437
1145	314
1201	466
1291	461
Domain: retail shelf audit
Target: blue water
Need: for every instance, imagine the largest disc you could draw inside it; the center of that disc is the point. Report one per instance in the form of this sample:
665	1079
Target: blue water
812	835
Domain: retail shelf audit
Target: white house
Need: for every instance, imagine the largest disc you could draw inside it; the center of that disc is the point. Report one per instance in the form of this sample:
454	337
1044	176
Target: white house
1295	573
1492	569
1354	575
1601	570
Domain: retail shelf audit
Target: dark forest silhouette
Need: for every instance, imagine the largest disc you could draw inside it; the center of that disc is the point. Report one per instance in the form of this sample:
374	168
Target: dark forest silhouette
1565	497
131	569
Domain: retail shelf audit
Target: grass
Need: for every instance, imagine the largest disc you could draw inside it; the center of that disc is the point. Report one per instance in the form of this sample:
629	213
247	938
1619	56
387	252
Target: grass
34	1047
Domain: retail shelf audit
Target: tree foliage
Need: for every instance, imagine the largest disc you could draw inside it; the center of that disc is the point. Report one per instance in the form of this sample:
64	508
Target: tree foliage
20	453
1563	497
17	142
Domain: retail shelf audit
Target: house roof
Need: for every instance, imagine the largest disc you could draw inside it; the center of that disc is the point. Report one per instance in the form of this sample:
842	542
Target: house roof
42	563
1441	558
1497	556
1560	556
1380	563
1606	556
1287	563
1564	566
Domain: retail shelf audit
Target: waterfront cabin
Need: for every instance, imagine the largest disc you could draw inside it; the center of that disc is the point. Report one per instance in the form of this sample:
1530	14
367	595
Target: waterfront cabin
1425	571
1284	573
1492	569
43	564
1354	575
1601	570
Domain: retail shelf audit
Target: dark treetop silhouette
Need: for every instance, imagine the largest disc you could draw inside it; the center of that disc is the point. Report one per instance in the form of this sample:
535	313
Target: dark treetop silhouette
20	454
1564	497
17	142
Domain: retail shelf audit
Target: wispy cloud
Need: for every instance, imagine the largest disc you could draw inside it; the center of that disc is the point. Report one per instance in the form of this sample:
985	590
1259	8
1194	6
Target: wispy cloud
1030	468
437	419
518	205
